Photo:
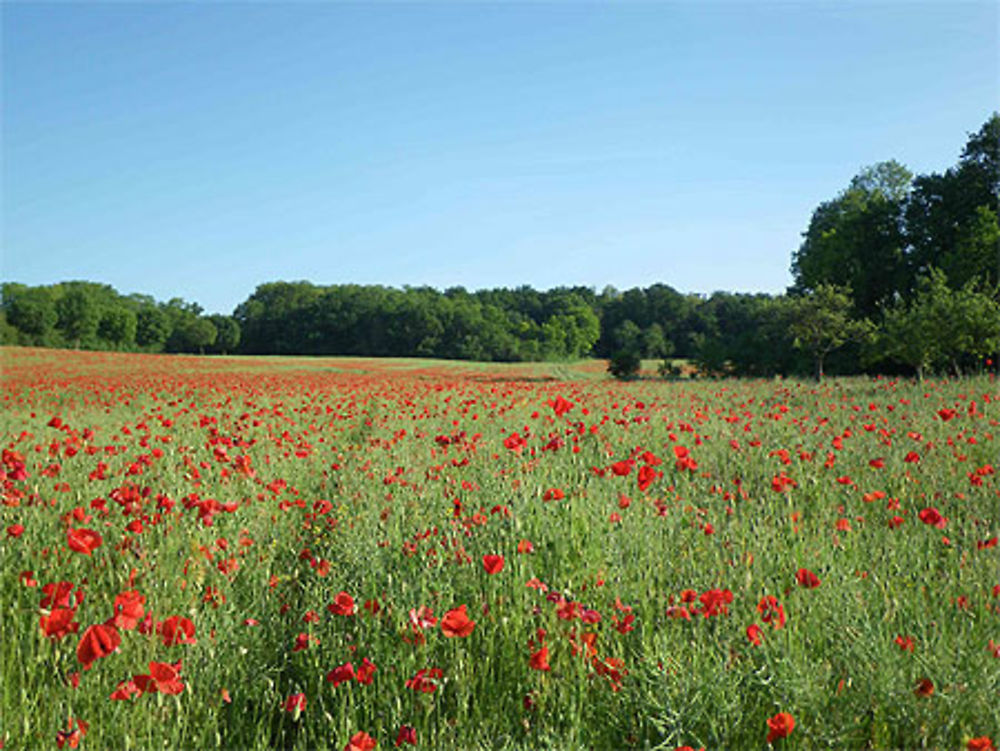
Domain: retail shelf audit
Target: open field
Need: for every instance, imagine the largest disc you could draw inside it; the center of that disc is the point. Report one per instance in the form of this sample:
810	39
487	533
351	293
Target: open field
303	553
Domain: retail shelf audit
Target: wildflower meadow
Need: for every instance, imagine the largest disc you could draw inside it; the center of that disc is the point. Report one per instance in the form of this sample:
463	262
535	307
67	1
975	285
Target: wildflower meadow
294	553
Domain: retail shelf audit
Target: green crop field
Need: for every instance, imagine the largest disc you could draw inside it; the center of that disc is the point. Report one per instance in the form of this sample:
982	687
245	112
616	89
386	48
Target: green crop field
257	553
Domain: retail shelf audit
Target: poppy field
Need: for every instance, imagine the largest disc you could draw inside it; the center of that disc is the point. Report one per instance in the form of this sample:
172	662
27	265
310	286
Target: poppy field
350	554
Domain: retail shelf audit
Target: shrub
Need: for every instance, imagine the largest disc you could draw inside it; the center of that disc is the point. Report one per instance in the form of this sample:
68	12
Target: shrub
625	364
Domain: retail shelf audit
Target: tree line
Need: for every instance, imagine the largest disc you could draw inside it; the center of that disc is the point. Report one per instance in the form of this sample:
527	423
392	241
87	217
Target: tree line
88	315
896	273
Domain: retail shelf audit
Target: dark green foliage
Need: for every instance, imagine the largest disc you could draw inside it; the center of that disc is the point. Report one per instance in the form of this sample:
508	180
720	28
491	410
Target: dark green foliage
886	230
821	322
500	325
152	327
625	364
227	337
87	315
30	310
117	326
857	241
940	326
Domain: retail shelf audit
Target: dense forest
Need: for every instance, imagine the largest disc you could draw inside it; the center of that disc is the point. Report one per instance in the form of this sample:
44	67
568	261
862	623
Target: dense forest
896	273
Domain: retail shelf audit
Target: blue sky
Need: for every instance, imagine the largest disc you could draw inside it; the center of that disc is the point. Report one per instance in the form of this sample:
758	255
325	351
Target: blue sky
197	150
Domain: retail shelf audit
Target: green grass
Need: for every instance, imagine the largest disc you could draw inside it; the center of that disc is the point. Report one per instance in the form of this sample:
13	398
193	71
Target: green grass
409	519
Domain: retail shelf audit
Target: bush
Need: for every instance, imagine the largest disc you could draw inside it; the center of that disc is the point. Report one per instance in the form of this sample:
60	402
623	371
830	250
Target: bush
625	364
668	369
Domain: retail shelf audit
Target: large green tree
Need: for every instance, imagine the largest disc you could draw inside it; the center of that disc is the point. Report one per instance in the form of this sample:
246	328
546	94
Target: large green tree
31	310
117	326
153	327
227	337
79	307
951	218
857	240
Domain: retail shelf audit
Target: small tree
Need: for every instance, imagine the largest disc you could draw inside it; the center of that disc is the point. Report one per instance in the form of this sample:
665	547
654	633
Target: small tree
625	364
668	369
192	334
822	323
908	335
941	325
967	322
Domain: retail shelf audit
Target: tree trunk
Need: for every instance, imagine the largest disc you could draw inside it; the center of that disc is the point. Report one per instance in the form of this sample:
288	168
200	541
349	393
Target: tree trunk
819	368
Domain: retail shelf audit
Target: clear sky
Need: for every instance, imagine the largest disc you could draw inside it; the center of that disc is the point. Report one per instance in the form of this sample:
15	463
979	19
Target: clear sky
197	150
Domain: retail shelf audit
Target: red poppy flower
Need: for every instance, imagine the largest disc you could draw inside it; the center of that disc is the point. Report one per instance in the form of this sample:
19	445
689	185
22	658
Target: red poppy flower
163	678
646	476
97	641
925	687
456	623
493	564
426	680
59	623
771	611
932	517
15	530
361	742
905	643
129	609
560	406
343	604
295	703
754	634
125	690
302	641
982	743
540	659
514	442
406	735
75	730
781	482
365	672
341	674
177	630
421	618
622	468
780	726
715	602
807	578
84	541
